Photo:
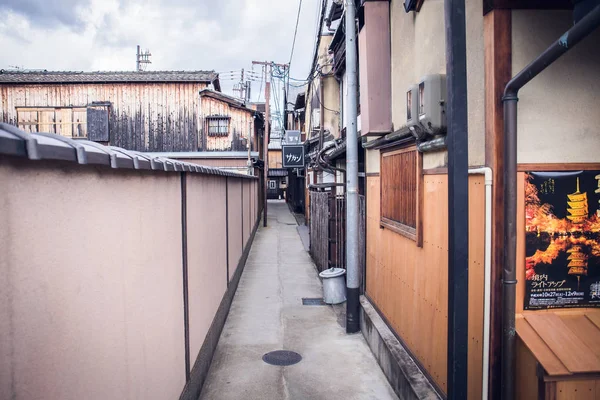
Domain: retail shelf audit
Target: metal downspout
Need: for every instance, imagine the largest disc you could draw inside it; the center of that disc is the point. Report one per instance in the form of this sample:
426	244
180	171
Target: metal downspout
573	36
487	277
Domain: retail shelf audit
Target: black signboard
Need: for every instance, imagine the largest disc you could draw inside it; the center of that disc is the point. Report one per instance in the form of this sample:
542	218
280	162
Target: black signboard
293	156
562	239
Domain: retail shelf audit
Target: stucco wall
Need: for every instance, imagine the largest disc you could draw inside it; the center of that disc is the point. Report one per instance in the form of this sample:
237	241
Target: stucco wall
91	277
419	48
207	254
558	110
331	94
92	304
234	199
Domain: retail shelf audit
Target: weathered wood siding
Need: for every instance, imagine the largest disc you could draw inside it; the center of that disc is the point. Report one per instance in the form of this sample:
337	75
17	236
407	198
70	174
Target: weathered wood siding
142	116
241	124
275	159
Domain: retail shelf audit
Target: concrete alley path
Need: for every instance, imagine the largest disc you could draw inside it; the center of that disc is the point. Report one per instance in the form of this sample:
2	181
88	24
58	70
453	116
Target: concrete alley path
267	314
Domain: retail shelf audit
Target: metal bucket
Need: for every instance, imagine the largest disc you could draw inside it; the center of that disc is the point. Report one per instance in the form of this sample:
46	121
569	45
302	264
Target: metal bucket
334	285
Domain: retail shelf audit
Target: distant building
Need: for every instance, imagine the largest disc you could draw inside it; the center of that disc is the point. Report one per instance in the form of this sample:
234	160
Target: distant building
228	123
277	175
145	111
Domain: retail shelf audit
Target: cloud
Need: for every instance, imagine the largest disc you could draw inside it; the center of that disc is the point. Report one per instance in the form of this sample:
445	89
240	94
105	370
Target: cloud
48	12
216	35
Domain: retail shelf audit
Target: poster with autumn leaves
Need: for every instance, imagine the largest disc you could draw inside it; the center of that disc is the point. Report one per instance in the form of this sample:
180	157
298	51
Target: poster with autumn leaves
562	265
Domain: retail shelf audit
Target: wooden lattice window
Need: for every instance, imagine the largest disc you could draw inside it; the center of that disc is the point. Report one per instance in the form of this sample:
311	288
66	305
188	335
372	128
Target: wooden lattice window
218	126
65	121
74	122
401	192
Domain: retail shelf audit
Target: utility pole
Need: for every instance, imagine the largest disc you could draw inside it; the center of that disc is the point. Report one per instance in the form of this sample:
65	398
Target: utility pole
249	148
142	59
268	71
352	267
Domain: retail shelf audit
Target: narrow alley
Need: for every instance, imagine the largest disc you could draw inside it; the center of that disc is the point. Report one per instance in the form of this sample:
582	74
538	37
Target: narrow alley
267	314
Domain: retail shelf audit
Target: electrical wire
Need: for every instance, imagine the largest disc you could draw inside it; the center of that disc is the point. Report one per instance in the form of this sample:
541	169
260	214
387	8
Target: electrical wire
294	40
261	83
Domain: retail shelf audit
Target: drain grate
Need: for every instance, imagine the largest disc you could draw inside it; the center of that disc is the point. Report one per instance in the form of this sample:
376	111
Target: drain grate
316	301
282	357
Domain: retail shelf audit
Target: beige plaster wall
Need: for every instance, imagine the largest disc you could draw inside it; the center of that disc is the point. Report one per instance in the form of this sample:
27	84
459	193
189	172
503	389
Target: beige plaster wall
475	82
419	48
207	254
234	199
331	89
558	110
91	303
91	283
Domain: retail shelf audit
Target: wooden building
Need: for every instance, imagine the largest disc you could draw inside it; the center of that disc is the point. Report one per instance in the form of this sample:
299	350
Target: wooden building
406	282
145	111
228	123
277	175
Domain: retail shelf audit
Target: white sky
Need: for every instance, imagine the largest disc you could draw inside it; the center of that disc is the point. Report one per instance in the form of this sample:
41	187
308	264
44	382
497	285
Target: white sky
220	35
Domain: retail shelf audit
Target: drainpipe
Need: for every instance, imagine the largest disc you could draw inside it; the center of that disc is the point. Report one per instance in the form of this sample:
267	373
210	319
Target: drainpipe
352	270
321	112
487	277
436	144
573	36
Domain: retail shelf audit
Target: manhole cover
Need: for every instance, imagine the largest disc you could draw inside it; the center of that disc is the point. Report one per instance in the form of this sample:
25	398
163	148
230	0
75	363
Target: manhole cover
282	357
317	301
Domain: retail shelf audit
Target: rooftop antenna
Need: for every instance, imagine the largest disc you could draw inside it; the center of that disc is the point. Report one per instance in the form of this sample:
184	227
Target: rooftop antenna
142	59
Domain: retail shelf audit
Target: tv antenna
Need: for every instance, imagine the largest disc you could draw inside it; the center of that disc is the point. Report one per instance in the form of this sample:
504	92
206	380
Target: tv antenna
142	59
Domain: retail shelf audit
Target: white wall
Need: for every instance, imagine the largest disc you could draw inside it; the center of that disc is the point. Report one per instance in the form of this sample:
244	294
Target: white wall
559	118
419	48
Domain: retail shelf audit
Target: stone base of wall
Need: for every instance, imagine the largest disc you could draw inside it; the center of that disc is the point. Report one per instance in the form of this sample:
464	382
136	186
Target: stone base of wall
199	371
403	373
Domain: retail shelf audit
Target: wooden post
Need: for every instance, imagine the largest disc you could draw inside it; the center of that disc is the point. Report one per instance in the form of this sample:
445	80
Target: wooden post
498	71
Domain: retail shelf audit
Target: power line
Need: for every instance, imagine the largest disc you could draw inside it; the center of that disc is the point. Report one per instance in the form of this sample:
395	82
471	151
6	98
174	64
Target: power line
294	42
318	43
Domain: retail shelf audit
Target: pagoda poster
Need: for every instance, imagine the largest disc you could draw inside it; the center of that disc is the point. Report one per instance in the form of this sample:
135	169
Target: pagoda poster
562	234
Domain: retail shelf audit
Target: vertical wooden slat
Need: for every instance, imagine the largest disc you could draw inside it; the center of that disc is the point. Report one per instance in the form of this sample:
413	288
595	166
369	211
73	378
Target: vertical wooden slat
399	187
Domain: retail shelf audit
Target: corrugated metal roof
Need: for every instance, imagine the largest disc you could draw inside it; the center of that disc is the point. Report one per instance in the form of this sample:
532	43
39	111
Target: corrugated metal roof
105	76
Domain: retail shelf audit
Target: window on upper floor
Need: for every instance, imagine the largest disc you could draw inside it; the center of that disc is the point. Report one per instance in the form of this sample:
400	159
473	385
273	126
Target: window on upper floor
218	126
401	192
89	122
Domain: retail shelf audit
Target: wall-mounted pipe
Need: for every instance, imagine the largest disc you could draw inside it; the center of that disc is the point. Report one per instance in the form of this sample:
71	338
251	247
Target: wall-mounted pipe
436	144
509	279
487	277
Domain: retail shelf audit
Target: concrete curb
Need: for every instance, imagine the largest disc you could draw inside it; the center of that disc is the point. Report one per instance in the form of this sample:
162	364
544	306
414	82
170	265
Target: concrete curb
199	371
402	372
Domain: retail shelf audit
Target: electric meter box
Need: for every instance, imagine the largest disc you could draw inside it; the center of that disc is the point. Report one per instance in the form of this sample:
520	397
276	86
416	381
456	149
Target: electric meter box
432	103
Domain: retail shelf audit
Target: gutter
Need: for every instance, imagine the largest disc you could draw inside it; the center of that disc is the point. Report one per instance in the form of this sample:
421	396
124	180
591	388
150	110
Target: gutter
509	280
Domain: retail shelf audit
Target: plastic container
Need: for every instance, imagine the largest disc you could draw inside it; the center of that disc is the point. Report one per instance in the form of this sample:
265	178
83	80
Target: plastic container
334	285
